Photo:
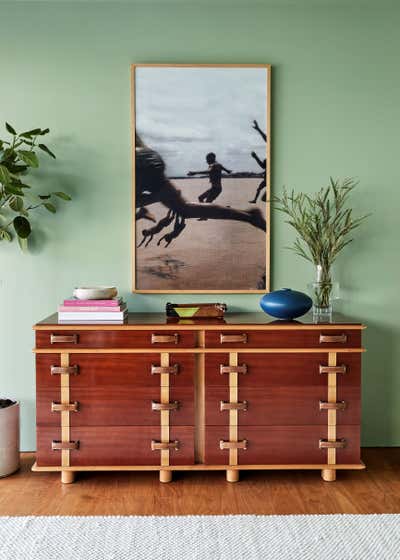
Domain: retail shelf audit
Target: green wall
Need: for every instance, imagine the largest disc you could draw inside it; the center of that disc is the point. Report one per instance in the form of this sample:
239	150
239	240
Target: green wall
335	112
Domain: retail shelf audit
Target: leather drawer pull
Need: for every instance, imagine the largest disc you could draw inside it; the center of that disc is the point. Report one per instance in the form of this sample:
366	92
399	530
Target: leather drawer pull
160	446
60	370
156	406
233	369
340	405
331	338
173	370
332	369
233	406
64	407
338	444
71	338
64	445
233	444
165	338
227	338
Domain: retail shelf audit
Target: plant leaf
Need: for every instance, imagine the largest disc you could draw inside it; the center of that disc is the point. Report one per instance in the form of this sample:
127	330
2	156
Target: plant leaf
10	129
45	131
62	195
50	207
4	175
16	204
30	158
22	227
4	234
44	196
29	133
46	149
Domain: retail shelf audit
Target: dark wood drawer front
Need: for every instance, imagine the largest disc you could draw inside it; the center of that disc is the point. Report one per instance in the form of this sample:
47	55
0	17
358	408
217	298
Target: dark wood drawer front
116	406
109	370
115	339
282	445
271	370
282	406
120	445
301	338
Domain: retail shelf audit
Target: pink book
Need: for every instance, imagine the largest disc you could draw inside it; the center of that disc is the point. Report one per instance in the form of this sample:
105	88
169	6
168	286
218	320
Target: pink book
94	308
73	302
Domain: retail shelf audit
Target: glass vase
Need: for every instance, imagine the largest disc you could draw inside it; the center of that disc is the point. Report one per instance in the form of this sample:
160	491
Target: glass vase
323	291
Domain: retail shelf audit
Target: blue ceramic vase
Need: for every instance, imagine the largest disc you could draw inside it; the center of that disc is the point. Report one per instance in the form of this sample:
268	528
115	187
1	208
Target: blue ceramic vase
286	304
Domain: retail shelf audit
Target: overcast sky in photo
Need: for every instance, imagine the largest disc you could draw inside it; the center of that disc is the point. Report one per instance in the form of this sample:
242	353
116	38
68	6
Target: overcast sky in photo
184	113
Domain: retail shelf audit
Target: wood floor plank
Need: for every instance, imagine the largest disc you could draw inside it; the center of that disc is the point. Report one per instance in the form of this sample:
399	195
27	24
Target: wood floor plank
375	490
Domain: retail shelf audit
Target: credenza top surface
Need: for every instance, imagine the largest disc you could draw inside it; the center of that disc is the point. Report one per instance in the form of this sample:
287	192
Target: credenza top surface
255	319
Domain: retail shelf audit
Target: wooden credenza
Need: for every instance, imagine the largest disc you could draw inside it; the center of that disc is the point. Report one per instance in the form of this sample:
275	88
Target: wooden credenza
244	393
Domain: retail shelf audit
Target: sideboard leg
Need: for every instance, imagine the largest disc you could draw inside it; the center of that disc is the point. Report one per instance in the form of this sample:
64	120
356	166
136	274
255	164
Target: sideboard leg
67	477
329	475
232	475
165	476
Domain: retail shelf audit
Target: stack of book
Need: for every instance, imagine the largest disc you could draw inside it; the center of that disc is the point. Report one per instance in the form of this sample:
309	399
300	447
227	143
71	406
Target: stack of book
92	311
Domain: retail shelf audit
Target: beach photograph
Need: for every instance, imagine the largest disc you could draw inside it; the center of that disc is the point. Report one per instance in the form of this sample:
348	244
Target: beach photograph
201	178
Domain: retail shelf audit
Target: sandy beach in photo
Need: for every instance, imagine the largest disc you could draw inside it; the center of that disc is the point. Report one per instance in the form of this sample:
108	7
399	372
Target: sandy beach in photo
211	254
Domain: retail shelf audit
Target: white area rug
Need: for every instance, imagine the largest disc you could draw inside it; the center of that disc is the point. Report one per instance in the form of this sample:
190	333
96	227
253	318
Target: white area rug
289	537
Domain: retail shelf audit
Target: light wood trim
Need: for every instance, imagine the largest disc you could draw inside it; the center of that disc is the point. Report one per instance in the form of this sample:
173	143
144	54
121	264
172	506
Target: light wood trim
268	72
164	414
332	398
195	350
64	416
199	401
202	467
195	327
233	414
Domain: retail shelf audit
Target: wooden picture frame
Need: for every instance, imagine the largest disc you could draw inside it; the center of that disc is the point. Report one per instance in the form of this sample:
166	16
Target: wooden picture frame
155	278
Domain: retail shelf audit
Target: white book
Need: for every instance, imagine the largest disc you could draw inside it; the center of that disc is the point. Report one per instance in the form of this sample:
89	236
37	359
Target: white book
76	316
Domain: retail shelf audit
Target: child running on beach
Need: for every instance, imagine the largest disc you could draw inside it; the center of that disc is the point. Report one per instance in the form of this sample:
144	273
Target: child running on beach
214	172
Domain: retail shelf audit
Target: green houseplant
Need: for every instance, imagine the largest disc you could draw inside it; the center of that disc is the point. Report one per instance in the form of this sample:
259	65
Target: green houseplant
18	155
323	223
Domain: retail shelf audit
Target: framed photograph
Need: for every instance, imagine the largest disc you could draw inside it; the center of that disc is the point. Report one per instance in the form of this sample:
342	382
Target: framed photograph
201	178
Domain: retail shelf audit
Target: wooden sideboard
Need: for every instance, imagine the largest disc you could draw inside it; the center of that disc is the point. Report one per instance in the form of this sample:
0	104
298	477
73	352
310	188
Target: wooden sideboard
246	393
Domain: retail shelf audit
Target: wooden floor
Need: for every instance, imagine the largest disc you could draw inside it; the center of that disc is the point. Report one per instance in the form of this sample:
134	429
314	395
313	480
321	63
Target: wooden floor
375	490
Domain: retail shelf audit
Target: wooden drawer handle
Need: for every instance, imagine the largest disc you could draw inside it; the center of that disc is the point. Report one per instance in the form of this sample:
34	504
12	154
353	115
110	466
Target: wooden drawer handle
161	446
332	369
332	338
64	407
158	370
157	406
165	338
64	445
228	338
233	369
223	405
60	370
233	444
338	444
69	338
340	405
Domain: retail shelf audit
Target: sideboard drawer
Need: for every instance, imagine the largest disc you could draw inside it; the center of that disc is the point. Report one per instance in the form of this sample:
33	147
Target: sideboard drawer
282	445
116	406
301	338
281	406
118	445
114	369
115	339
282	369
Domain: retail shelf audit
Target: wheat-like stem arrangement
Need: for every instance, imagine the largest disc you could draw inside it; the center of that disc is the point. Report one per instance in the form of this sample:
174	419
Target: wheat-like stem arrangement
323	223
